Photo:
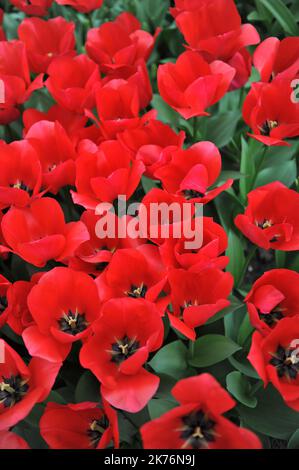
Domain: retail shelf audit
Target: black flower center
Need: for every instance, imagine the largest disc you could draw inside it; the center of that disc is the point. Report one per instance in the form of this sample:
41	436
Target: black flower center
198	430
101	266
3	304
267	127
123	349
96	430
287	365
192	194
264	224
21	185
271	318
12	390
73	323
137	292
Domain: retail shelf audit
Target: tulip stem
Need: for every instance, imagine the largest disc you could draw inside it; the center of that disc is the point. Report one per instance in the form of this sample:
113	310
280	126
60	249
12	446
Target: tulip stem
259	166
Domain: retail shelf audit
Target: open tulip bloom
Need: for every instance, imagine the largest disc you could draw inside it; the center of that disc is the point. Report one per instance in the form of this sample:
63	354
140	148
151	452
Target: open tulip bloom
149	225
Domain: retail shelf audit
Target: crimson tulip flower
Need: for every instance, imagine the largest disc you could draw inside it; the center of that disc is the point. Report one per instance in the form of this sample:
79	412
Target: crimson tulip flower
136	76
198	421
274	57
72	123
94	255
135	273
275	359
39	233
271	113
196	296
273	296
84	6
4	287
23	386
271	217
118	106
214	243
63	304
119	43
151	143
56	154
191	85
192	171
10	440
127	331
104	173
19	316
214	28
72	82
21	176
33	7
46	39
82	426
15	76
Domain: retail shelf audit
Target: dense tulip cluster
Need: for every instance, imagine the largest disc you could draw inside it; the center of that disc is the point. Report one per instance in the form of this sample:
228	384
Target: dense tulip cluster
131	317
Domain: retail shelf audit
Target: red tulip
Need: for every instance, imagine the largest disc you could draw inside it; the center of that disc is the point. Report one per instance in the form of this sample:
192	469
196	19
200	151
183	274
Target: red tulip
46	39
273	296
10	440
214	242
119	43
20	178
81	426
127	331
63	304
72	82
191	172
149	142
39	233
33	7
214	28
198	421
84	6
274	57
196	297
4	302
15	76
23	386
134	273
191	85
56	154
104	173
271	218
271	113
275	359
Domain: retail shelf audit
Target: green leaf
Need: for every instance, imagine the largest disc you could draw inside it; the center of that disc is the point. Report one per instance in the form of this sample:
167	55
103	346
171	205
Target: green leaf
221	128
88	388
246	330
240	388
294	441
243	366
157	407
271	416
286	173
171	360
211	349
282	14
148	184
235	252
247	169
165	113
